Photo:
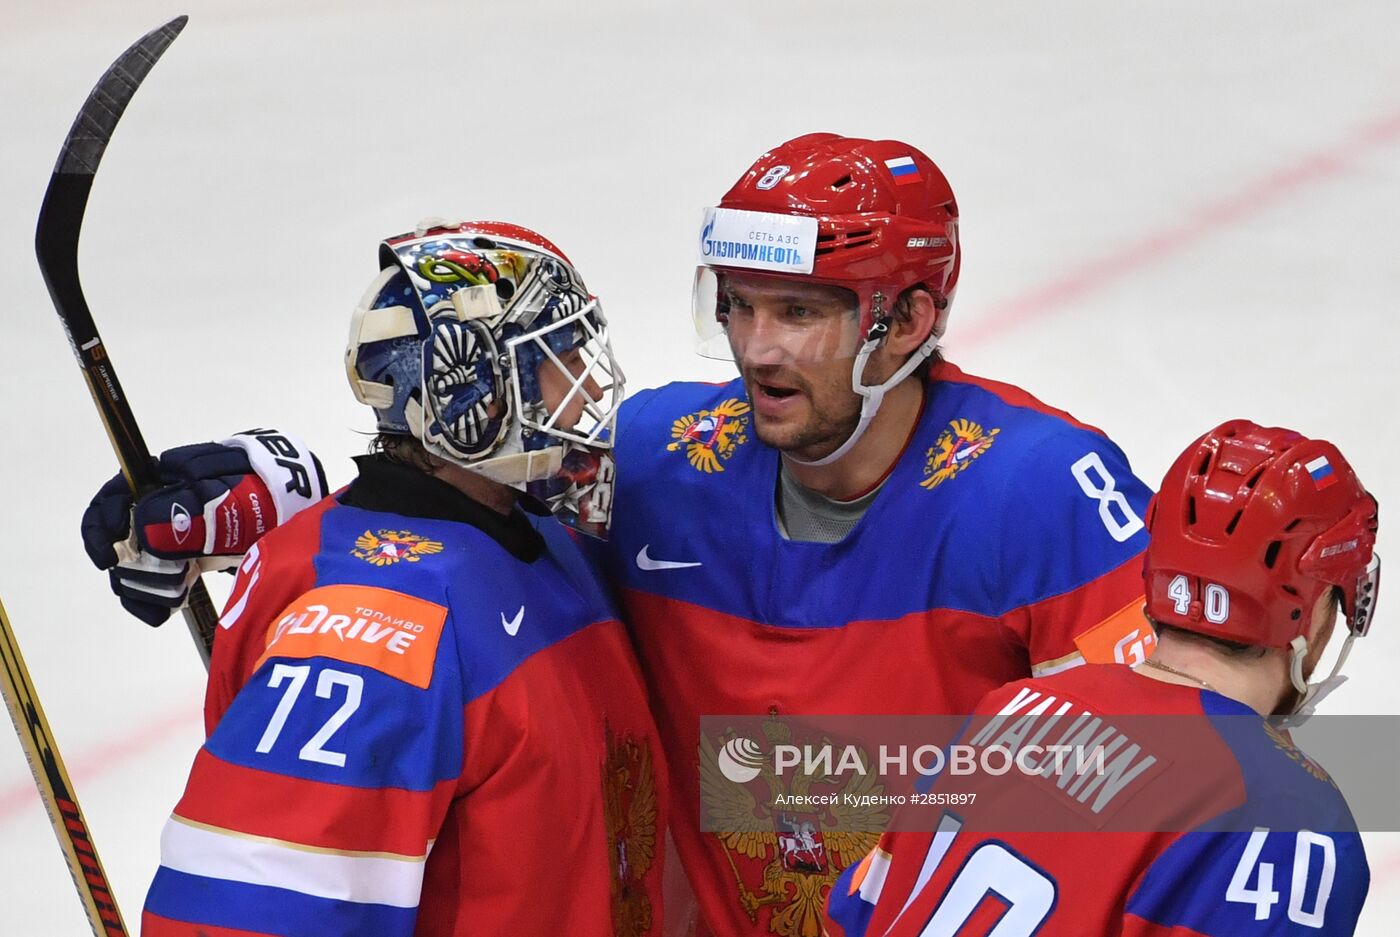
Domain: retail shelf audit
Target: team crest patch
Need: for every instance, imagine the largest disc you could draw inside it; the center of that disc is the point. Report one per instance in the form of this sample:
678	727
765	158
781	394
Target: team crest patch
389	546
957	447
711	436
629	809
1284	744
785	860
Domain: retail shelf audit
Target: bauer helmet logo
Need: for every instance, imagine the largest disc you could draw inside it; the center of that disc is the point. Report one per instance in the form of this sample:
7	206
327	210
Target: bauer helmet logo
772	177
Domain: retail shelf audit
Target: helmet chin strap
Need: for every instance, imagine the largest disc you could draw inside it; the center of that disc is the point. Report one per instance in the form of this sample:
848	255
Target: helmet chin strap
1311	694
872	395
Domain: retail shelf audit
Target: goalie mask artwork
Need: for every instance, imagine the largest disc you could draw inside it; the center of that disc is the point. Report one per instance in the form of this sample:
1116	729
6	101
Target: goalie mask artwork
458	342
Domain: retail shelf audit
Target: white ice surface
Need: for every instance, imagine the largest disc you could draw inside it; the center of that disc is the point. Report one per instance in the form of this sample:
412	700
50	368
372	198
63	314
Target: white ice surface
1173	214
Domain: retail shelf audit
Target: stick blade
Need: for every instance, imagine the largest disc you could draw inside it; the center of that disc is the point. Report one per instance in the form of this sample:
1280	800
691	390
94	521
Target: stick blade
92	130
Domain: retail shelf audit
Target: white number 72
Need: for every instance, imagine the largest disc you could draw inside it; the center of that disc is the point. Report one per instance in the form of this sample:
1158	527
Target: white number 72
314	749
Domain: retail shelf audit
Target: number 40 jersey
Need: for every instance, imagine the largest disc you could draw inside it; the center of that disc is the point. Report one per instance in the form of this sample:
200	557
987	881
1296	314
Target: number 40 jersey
1208	822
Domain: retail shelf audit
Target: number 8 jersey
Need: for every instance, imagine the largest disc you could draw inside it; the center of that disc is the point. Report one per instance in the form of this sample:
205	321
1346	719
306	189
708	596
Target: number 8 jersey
1005	541
424	718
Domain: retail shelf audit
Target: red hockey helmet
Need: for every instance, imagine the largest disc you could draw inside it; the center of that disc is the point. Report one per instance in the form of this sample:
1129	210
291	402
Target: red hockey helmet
873	216
1251	526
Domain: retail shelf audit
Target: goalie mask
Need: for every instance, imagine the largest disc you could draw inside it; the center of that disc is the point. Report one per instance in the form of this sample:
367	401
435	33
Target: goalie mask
480	340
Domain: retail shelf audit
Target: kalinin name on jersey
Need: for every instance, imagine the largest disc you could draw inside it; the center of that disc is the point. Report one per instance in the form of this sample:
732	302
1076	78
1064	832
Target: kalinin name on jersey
1028	721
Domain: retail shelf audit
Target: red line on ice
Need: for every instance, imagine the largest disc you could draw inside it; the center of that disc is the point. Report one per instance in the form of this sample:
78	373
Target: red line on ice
96	762
1231	209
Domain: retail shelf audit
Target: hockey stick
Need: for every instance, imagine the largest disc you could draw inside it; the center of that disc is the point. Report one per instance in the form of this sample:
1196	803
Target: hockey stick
60	223
55	788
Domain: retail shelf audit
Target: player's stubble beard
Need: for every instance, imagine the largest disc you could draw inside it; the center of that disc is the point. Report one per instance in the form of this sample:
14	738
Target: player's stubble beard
832	410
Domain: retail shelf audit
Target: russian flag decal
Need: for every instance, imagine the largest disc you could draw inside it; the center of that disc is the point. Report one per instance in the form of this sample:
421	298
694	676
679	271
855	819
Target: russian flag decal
1321	471
903	170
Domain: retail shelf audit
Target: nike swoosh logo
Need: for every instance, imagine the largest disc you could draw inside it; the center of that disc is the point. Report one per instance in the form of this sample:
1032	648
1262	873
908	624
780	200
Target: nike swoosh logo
513	625
645	562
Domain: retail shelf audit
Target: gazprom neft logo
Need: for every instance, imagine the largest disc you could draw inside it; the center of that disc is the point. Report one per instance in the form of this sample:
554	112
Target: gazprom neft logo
758	240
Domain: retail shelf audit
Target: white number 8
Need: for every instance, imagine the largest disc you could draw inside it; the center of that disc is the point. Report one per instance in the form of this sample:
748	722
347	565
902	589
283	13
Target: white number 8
1105	492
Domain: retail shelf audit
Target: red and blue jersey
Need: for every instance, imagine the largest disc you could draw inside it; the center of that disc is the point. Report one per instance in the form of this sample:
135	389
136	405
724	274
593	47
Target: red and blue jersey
1227	831
424	719
1006	541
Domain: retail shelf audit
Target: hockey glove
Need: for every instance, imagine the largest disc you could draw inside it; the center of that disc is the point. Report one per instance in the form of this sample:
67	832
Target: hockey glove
216	500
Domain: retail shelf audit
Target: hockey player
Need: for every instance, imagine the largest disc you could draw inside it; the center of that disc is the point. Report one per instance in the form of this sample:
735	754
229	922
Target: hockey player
1258	536
424	714
851	525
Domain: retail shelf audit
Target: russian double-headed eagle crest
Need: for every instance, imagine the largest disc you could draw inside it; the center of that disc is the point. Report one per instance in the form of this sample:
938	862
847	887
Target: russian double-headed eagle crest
629	810
1285	744
389	546
787	858
711	436
956	448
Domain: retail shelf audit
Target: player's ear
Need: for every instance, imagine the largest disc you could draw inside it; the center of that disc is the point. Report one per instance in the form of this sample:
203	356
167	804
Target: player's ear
914	317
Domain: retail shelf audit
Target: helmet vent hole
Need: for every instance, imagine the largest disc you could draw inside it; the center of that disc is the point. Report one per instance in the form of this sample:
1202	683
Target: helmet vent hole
1230	527
1290	590
1296	614
1271	554
842	182
1205	464
1254	479
1191	510
484	243
858	238
1292	524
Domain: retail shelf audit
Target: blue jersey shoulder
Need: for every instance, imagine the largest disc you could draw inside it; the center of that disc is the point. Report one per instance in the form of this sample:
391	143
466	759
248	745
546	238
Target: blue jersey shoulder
1256	884
1287	861
409	620
997	503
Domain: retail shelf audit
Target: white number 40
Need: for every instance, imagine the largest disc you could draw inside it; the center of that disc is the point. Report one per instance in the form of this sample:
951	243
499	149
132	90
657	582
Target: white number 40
1116	513
314	749
1217	599
1262	894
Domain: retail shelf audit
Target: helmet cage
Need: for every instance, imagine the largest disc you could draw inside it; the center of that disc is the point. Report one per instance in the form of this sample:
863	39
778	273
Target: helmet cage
582	329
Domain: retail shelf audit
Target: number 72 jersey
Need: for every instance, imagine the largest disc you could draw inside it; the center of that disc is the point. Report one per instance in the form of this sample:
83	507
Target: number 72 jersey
416	731
1223	877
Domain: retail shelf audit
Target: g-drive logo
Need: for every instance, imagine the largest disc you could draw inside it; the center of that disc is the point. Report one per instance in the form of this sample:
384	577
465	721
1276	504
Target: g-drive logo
758	240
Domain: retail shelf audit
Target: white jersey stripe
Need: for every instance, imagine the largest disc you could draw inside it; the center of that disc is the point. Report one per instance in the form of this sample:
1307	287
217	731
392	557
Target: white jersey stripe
365	879
875	873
